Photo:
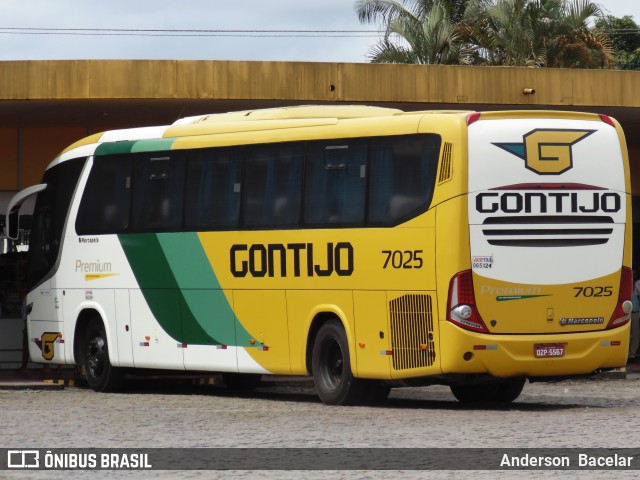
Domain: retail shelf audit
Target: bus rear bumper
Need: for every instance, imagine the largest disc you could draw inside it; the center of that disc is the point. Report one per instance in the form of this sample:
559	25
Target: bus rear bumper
556	355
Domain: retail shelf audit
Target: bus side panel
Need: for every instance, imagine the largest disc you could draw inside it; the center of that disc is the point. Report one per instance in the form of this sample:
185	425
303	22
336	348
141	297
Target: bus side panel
152	346
208	311
264	314
45	327
372	334
123	328
452	252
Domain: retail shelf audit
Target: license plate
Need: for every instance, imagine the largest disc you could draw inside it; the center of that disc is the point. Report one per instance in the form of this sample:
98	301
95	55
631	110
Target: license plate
548	350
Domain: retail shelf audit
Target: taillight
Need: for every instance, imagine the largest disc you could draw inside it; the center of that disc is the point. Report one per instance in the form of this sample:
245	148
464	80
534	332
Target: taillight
607	119
622	313
461	305
473	118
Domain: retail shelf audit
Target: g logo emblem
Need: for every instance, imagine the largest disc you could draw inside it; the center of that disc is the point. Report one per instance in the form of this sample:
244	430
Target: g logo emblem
545	151
45	343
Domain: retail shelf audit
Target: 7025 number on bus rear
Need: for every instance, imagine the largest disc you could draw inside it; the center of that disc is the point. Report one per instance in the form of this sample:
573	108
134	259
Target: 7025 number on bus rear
593	291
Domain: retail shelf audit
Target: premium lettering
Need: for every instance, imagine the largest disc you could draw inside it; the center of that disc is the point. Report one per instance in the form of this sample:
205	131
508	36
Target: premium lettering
296	259
93	267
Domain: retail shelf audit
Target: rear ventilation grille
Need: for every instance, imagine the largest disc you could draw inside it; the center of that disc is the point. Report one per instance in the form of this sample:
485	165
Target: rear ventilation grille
445	164
547	231
412	332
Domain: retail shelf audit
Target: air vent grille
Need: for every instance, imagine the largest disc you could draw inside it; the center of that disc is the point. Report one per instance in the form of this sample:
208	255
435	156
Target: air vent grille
445	164
412	332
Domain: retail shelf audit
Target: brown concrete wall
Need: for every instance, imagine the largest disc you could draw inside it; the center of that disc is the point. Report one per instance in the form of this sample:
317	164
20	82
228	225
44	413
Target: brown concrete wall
8	159
153	79
27	151
40	146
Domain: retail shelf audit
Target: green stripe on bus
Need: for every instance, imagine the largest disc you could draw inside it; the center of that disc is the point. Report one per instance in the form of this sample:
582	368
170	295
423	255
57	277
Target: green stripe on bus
153	145
207	313
134	146
181	289
155	279
114	148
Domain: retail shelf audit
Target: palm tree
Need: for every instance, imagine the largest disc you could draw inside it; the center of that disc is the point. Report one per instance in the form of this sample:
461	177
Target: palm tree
577	45
534	33
504	33
541	33
416	31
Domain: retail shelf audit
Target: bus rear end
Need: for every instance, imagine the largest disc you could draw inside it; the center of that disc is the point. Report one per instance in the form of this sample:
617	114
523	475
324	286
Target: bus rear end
548	291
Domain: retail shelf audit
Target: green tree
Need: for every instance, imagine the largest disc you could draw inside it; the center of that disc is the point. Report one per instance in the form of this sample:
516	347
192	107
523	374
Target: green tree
506	32
534	33
416	31
625	37
540	33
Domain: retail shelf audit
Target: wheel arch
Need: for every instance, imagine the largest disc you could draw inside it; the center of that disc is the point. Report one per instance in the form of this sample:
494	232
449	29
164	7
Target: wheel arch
82	322
319	319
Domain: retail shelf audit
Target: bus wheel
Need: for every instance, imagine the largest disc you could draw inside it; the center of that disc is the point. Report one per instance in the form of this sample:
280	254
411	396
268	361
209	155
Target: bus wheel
331	367
509	390
241	381
101	375
481	393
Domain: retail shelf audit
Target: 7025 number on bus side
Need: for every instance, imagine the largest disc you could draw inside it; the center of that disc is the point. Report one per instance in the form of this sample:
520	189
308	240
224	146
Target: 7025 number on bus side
403	258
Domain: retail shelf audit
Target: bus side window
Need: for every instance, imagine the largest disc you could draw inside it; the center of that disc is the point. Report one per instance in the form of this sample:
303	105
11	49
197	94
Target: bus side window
272	186
335	184
403	173
106	198
158	190
212	197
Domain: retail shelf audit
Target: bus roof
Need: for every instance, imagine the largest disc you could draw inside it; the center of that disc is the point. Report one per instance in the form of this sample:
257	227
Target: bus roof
339	112
199	130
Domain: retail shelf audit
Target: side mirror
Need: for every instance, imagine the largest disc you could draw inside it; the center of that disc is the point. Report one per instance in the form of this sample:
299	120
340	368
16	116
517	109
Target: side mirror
12	224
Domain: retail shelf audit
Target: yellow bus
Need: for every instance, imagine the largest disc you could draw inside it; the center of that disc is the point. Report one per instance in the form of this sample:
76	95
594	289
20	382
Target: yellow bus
364	246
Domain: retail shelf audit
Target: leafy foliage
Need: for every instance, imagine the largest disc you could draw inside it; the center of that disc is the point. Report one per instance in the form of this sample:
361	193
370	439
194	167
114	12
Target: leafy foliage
625	36
532	33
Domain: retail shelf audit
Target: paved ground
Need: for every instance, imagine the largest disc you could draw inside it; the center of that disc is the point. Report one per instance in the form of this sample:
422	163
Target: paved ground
581	414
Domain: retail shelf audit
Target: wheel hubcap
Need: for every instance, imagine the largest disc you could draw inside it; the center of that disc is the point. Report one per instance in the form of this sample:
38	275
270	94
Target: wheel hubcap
96	356
333	365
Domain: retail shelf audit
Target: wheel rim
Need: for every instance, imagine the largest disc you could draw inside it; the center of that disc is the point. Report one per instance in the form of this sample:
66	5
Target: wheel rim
332	364
96	356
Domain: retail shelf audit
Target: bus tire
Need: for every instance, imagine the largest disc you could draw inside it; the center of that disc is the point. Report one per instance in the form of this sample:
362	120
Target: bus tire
478	393
242	381
101	375
509	390
331	367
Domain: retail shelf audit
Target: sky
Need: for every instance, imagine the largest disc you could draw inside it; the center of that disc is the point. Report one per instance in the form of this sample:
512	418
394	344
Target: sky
28	29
